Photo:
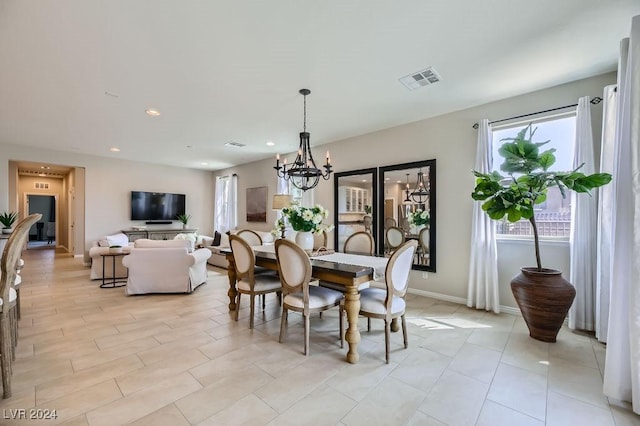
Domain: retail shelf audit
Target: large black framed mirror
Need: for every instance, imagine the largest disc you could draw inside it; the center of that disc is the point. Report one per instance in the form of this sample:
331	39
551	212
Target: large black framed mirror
355	195
407	191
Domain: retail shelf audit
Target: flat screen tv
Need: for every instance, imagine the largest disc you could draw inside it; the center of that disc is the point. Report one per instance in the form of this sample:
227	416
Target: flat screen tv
156	205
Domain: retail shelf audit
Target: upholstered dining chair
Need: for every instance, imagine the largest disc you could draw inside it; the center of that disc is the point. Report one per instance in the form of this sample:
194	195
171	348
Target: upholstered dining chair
294	267
8	314
423	245
359	243
389	303
389	222
247	281
251	237
394	238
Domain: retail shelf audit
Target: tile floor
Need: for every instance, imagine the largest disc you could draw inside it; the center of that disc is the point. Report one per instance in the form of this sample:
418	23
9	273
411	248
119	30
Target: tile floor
97	357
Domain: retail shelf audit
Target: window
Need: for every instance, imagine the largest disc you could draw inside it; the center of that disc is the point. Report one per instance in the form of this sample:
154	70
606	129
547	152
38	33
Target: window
553	217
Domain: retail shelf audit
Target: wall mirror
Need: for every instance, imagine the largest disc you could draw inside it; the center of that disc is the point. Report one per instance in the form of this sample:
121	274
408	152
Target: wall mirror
404	190
355	198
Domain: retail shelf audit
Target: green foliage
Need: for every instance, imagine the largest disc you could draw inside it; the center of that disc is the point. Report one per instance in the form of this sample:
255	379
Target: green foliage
514	196
307	219
184	218
8	218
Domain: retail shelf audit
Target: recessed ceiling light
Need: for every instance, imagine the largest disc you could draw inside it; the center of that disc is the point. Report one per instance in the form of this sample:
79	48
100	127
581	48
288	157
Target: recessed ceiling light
114	149
45	167
271	143
42	175
398	181
204	164
152	112
364	180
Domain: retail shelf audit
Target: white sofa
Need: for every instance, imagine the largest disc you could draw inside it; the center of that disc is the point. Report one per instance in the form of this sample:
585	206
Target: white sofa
165	266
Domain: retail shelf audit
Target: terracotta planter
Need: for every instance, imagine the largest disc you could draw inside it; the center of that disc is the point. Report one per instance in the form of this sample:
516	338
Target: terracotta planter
544	298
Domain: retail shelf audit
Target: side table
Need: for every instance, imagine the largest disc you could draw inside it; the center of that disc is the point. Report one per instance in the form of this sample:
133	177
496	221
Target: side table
114	281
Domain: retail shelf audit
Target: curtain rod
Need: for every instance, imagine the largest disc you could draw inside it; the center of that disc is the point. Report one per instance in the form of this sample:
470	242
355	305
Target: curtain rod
593	101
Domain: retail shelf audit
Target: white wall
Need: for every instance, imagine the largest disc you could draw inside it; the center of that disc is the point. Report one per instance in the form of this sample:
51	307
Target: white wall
108	183
451	140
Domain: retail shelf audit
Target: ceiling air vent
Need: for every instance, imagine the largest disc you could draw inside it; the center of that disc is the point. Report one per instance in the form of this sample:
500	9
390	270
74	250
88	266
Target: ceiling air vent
420	79
236	144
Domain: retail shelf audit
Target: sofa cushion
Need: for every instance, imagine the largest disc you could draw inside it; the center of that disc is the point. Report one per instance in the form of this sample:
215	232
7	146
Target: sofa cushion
147	243
216	239
114	240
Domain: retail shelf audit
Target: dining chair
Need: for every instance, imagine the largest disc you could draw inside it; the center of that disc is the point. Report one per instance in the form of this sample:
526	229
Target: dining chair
423	245
251	237
359	243
248	282
388	303
294	267
389	222
394	237
8	314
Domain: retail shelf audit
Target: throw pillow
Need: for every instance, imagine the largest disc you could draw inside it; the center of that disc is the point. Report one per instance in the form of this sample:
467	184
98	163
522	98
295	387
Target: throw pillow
117	240
216	239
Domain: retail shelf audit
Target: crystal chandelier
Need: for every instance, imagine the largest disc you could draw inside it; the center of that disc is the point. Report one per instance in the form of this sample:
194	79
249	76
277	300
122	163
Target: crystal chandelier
421	194
303	172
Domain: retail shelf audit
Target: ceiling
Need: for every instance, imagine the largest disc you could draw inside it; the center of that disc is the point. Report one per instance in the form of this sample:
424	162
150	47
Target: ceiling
77	76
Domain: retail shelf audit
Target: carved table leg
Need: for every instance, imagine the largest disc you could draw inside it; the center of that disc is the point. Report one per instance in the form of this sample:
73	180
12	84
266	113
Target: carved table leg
233	292
352	306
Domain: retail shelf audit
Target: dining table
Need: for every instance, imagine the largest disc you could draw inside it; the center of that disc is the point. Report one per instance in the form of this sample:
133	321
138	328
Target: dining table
348	270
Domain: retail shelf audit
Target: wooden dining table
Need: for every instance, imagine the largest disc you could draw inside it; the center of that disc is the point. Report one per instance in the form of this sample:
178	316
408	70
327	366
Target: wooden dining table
346	274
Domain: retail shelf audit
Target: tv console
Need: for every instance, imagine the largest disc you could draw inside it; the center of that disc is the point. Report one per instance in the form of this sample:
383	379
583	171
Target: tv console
155	234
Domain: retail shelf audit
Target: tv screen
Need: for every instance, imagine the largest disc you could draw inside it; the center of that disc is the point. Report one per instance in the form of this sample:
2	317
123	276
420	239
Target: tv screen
156	205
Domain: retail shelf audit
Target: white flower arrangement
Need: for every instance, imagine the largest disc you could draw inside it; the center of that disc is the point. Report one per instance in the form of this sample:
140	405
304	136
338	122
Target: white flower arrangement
307	219
419	217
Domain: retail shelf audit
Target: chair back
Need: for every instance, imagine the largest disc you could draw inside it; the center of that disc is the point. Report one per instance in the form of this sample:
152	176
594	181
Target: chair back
389	222
397	272
251	237
294	268
320	240
395	237
367	221
359	243
11	255
243	256
423	240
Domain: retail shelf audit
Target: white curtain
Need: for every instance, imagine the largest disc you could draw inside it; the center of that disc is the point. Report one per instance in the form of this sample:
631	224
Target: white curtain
483	291
622	365
583	227
226	208
605	212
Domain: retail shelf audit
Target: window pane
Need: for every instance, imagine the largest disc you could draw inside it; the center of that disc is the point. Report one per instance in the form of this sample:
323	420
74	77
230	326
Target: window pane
553	217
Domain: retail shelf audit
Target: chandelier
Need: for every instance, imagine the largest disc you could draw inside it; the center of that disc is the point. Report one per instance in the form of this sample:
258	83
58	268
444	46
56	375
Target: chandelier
407	198
303	172
421	194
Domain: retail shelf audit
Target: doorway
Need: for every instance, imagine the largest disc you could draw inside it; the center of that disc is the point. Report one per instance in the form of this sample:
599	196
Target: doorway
42	234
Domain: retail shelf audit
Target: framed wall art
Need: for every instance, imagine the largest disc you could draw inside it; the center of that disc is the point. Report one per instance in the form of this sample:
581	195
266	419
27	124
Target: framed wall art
257	204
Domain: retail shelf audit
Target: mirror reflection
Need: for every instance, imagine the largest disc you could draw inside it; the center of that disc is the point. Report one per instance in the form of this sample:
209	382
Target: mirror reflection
355	194
407	205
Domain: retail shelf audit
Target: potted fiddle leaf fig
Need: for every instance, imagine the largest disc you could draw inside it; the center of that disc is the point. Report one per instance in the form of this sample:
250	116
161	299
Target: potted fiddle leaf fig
543	296
7	219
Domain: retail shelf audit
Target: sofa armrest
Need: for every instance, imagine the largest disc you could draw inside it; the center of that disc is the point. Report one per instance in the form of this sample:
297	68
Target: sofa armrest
200	255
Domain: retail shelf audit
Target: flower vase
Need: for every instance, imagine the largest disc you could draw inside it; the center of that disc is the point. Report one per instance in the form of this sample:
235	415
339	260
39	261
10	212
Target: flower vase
305	240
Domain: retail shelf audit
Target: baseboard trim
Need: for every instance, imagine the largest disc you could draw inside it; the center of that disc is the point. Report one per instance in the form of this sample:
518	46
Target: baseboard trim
459	300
